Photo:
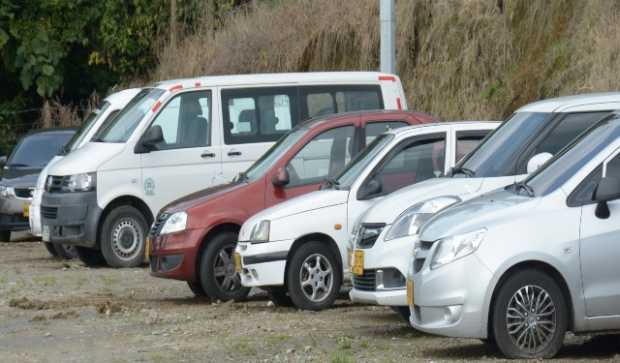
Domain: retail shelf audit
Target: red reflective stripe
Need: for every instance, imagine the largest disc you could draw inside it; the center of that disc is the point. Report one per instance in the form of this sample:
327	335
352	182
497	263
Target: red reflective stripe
197	84
398	104
387	78
156	106
175	88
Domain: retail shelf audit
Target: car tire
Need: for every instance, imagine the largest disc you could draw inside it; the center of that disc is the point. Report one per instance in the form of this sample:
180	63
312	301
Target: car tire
90	256
51	249
314	276
123	235
196	288
279	296
403	311
5	236
530	316
63	251
218	277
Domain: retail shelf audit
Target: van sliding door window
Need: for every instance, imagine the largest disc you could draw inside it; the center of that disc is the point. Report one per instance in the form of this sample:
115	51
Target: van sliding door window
259	114
185	121
325	100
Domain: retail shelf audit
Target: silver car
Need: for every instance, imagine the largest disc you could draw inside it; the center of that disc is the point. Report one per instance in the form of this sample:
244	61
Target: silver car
522	265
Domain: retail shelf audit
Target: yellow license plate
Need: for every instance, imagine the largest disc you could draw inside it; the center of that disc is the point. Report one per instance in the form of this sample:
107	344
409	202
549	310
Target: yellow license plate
358	262
26	210
237	262
147	249
410	292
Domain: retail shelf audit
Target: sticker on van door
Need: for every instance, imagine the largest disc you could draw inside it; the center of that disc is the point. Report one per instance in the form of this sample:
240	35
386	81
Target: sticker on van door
149	186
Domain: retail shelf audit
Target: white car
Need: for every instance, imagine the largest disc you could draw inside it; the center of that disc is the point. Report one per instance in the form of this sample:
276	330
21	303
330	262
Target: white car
108	109
518	146
297	250
182	136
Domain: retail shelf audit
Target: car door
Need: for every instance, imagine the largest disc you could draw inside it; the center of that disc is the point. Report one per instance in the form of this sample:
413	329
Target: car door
325	155
600	248
185	161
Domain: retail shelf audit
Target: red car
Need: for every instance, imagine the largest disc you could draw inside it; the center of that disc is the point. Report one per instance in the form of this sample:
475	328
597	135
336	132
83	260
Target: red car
193	238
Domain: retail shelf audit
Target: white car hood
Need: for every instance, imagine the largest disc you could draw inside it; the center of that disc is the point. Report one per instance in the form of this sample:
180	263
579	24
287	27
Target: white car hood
86	159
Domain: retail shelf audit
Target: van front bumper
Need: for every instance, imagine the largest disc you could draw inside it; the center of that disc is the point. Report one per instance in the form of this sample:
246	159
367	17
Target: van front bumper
70	218
263	264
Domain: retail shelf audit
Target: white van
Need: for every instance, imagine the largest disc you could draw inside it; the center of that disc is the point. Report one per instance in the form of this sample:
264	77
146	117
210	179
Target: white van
182	136
108	109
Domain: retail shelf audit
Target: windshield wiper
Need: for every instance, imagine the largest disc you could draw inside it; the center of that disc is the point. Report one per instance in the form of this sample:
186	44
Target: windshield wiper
465	171
331	183
522	186
17	165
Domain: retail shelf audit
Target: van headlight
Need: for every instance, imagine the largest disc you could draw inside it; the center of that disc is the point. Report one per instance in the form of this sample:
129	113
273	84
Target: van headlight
260	232
177	222
85	182
410	221
452	248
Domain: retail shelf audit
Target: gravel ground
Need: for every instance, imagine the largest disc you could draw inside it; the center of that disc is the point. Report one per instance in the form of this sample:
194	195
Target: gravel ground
58	311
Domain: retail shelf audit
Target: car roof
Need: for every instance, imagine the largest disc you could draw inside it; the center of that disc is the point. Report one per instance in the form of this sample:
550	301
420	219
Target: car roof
407	129
342	116
261	78
559	103
52	130
123	97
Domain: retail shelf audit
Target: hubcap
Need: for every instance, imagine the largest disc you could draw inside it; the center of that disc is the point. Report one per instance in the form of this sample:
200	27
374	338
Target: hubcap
531	318
316	277
226	278
127	239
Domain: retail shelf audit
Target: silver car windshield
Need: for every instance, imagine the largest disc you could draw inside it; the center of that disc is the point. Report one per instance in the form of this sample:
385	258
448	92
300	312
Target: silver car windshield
555	172
350	174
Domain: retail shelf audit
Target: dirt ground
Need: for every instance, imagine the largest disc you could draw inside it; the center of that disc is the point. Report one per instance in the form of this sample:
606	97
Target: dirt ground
57	311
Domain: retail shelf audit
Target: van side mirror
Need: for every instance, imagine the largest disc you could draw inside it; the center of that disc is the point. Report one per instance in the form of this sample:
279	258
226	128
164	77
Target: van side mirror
280	178
608	189
373	187
537	160
3	160
150	139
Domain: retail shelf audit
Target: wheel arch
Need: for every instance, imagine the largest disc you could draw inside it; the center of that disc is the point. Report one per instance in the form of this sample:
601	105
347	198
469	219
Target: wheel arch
130	200
542	266
320	237
213	231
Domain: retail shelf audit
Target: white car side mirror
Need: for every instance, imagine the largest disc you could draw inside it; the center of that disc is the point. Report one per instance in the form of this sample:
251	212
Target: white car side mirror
537	160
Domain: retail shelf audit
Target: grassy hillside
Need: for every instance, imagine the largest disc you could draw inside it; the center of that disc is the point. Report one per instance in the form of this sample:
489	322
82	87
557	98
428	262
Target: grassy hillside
459	59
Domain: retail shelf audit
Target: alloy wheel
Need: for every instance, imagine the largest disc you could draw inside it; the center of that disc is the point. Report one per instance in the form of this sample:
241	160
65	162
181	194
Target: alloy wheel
531	318
316	277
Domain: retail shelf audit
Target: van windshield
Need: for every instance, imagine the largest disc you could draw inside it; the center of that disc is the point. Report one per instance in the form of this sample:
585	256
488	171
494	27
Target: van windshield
558	170
350	174
274	154
121	127
495	156
88	124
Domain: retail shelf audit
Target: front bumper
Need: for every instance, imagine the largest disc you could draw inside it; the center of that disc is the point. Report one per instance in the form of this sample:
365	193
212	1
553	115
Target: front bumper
12	216
34	213
263	264
13	222
450	299
72	218
175	256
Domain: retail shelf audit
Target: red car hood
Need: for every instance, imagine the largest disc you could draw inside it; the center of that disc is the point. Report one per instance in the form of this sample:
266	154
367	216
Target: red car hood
202	196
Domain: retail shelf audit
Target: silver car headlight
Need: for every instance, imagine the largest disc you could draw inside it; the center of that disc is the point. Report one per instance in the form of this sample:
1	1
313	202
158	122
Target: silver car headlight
458	246
177	222
410	221
5	191
260	232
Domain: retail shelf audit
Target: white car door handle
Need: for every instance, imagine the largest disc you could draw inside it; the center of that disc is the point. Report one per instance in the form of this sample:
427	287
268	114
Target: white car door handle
234	153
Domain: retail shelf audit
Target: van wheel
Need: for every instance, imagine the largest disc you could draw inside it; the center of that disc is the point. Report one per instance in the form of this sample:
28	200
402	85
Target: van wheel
196	288
66	252
90	256
51	249
530	316
5	236
279	296
217	269
314	277
403	311
122	237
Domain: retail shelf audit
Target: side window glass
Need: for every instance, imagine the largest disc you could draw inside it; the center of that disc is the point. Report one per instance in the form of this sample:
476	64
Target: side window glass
325	155
416	162
466	142
584	192
325	100
374	129
568	129
258	115
320	104
185	121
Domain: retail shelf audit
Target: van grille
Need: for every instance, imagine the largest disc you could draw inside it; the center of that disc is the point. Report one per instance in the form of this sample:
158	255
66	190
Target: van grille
55	183
365	282
49	212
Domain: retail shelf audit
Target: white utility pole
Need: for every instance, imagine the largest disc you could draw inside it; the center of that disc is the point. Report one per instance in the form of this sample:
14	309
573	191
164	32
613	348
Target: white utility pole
388	36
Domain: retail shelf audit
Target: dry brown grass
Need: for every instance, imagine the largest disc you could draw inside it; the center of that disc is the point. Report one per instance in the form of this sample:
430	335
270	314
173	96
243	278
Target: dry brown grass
457	58
56	114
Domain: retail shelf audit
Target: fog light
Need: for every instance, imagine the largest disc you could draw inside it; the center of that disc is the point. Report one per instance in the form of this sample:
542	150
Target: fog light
452	313
168	263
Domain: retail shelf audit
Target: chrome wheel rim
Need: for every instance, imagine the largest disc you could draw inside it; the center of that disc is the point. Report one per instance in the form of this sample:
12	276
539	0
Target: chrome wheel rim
226	278
316	277
531	318
127	238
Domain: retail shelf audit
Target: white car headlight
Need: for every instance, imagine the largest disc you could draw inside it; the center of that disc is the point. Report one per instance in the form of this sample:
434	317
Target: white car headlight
410	221
175	223
452	248
5	191
260	232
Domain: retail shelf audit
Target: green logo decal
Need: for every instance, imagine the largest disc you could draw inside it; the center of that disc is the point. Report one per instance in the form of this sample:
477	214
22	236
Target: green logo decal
149	186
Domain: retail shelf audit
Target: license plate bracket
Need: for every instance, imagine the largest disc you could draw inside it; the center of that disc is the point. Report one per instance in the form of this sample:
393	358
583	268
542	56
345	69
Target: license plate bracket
410	297
237	258
358	262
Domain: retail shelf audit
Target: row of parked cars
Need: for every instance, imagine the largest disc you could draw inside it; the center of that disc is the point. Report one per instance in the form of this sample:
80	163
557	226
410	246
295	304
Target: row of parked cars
502	232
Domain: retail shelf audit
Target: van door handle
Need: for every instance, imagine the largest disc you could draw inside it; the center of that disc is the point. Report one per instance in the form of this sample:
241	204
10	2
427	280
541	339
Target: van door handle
234	153
207	154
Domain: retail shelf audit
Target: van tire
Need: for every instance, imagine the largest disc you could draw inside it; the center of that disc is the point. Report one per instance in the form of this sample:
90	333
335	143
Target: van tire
213	285
50	248
309	252
90	256
123	235
64	251
5	236
536	284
